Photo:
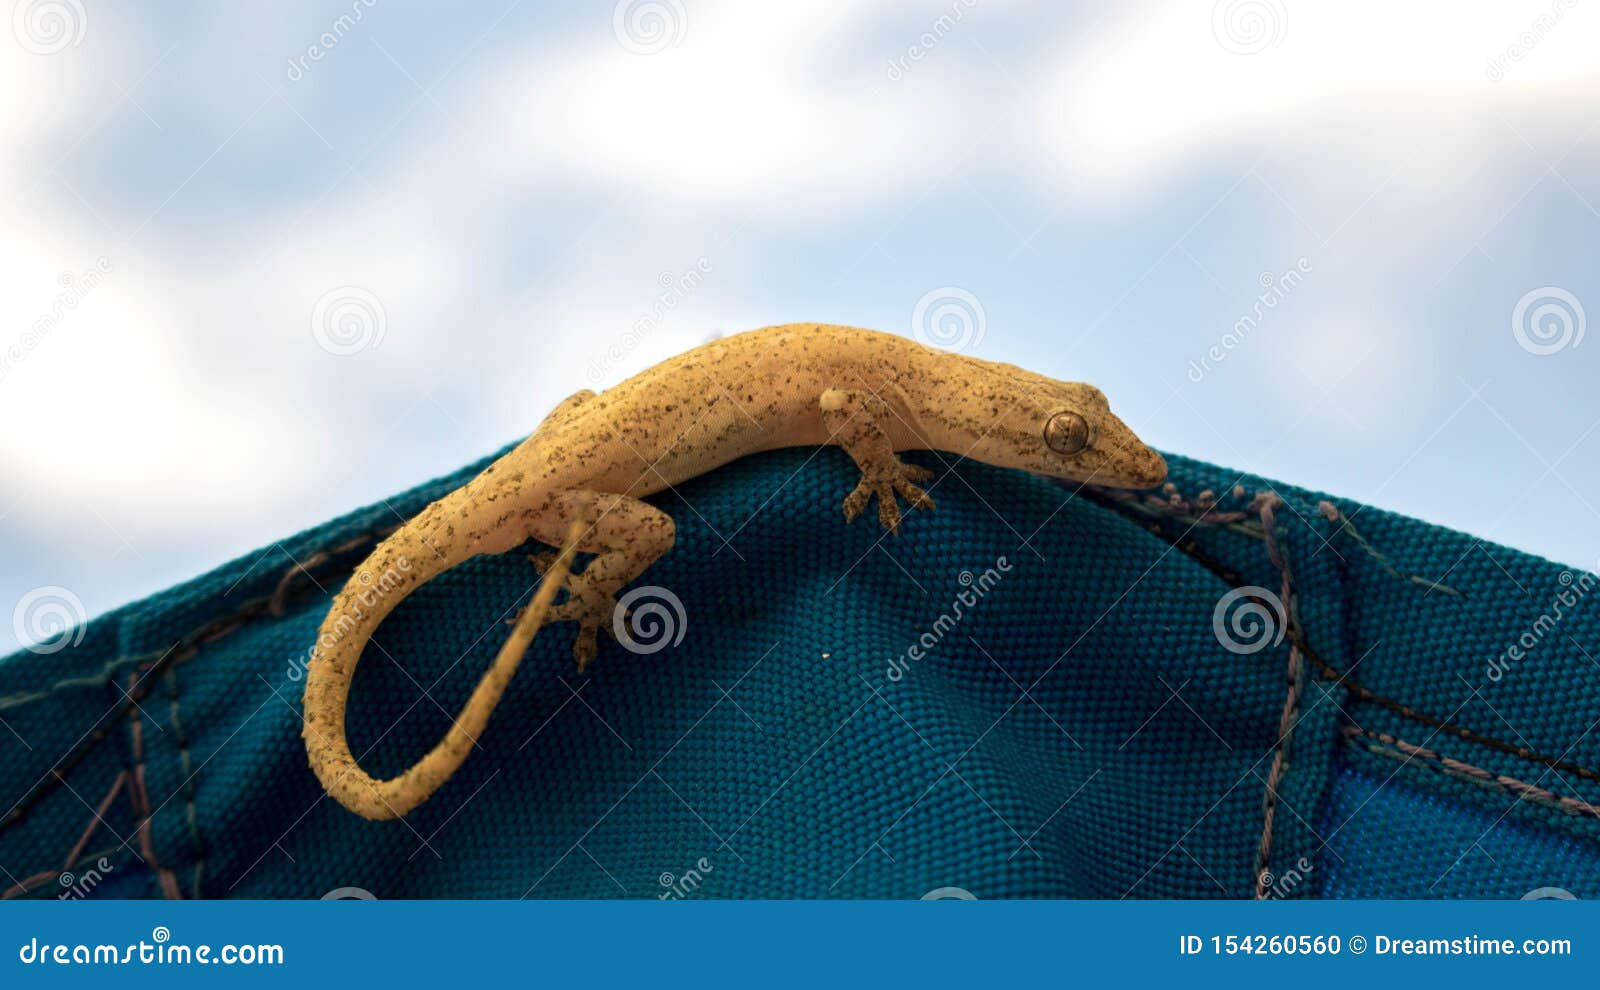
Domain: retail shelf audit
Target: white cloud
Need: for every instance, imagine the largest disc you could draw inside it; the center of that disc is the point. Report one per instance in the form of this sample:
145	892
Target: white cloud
1357	85
756	97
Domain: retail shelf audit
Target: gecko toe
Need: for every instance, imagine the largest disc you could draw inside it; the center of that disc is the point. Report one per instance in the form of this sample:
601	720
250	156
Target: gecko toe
889	510
542	561
584	647
856	502
887	490
918	498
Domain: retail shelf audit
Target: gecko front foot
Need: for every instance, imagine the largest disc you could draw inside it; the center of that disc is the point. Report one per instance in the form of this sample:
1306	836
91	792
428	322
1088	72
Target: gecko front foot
857	421
889	486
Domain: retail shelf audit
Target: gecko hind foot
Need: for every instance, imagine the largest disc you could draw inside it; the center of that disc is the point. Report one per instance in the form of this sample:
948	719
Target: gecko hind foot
592	612
889	487
542	561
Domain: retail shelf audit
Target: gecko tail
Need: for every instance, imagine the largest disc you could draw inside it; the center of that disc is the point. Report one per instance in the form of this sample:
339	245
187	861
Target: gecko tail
360	607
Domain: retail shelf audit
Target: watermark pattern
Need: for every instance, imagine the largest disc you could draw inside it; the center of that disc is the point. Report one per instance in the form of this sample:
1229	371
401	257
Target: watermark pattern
49	619
649	27
675	288
1548	320
1573	589
653	626
365	593
348	320
974	588
680	886
928	40
1549	894
77	886
949	318
1276	886
1248	620
1275	288
1249	27
1499	65
328	40
47	27
949	894
74	290
349	894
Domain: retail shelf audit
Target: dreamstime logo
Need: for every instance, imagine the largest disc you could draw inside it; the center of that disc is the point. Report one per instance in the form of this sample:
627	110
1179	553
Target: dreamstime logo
45	27
363	593
349	894
654	623
48	620
1277	886
1573	587
949	318
1549	894
1248	620
1527	41
77	886
1547	320
74	290
647	27
348	320
930	39
949	894
1275	289
1249	27
973	588
674	290
328	40
676	888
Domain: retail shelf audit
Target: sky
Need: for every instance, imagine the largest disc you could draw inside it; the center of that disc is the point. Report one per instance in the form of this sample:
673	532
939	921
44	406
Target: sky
267	263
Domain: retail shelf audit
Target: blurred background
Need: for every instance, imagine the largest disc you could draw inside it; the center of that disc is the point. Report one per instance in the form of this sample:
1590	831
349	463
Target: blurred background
266	263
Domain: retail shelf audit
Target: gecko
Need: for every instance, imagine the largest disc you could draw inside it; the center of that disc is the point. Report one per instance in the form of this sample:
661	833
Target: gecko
580	480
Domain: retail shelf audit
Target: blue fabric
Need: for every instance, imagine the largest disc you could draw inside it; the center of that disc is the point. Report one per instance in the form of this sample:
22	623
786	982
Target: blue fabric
1079	731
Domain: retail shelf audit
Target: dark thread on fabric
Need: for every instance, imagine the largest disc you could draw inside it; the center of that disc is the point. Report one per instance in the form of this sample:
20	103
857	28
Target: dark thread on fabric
1346	525
33	882
1384	744
96	818
1362	693
185	649
197	851
1153	510
1296	676
141	804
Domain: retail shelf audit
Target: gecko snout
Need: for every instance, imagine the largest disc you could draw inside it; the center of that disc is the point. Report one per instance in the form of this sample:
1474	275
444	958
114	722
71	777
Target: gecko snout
1121	459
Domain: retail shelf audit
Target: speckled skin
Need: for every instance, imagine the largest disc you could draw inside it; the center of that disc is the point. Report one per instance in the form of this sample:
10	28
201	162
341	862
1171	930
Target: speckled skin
579	479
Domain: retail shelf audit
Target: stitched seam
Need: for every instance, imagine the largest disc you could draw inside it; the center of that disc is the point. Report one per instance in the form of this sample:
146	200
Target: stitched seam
107	674
32	882
210	631
1291	706
1365	694
141	804
1149	508
1384	744
185	767
184	650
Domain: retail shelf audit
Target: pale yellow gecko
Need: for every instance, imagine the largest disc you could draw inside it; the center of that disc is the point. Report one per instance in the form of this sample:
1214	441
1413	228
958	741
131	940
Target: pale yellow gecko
579	480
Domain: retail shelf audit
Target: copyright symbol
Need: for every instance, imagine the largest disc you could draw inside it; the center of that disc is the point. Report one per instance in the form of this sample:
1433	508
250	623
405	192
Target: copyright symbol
1358	944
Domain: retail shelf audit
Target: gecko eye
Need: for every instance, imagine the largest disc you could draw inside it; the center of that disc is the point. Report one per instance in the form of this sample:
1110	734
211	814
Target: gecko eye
1066	433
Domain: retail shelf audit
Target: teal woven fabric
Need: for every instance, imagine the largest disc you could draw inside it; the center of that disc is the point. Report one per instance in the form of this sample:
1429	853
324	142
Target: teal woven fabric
1080	729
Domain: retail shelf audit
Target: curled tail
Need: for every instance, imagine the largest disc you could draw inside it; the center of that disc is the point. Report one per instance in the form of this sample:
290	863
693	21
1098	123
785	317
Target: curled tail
382	581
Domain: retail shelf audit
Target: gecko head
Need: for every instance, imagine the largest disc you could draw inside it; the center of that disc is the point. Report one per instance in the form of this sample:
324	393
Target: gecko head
1065	430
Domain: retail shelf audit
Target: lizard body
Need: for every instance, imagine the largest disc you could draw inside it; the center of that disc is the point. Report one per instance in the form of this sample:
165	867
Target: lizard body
578	483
